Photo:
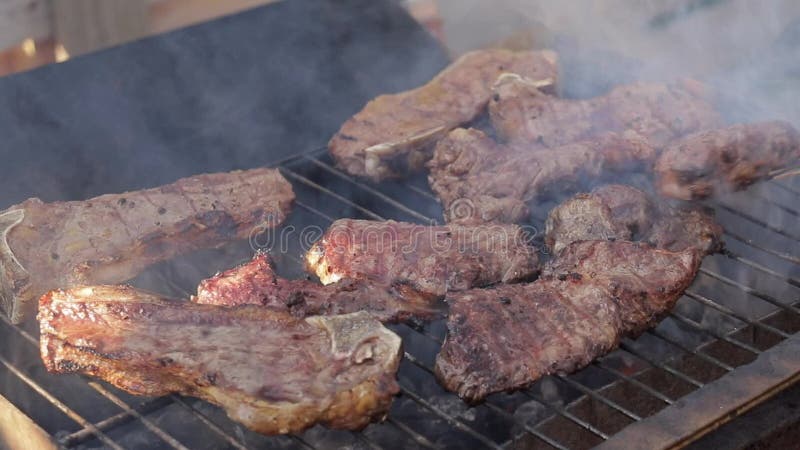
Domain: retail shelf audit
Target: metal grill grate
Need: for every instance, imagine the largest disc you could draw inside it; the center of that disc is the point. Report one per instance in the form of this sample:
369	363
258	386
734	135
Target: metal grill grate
743	303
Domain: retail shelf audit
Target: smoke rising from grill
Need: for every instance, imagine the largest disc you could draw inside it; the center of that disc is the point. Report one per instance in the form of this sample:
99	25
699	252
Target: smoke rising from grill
746	50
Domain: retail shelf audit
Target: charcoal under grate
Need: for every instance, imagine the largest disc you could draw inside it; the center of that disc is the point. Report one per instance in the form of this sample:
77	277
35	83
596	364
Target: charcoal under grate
743	303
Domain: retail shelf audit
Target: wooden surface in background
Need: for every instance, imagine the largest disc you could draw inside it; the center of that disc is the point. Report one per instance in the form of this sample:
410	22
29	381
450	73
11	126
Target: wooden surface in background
19	432
21	19
82	26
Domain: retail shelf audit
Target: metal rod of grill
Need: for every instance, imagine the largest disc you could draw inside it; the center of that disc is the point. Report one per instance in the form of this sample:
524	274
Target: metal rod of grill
685	320
61	406
633	381
725	310
751	291
659	365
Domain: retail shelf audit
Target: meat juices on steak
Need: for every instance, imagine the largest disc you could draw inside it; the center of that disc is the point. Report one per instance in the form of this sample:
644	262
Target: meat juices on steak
657	112
595	293
256	283
270	371
111	238
478	180
394	134
725	159
430	260
626	213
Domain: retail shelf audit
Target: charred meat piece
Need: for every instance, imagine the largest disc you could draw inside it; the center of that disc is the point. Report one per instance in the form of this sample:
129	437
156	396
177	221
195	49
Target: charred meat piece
657	112
111	238
478	180
394	134
430	260
725	159
595	293
270	371
256	283
626	213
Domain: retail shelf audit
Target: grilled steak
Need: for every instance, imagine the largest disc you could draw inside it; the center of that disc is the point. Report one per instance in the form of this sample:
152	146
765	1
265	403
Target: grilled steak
270	371
622	212
479	181
595	293
111	238
430	260
725	159
256	283
394	134
657	112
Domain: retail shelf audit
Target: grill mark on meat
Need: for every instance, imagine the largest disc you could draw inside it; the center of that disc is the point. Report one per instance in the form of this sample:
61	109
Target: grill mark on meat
274	373
498	180
379	252
655	111
393	134
113	237
554	325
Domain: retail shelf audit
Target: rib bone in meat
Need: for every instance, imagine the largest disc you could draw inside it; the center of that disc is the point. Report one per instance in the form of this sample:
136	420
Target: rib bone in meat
111	238
256	283
430	260
394	134
591	296
657	112
270	371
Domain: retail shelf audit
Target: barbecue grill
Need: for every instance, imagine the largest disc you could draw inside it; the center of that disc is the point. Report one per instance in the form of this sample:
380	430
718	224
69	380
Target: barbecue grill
730	344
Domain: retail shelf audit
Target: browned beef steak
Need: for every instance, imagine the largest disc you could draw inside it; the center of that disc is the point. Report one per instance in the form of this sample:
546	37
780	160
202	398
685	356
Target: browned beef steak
111	238
623	212
394	134
256	283
480	181
657	112
725	159
270	371
430	260
595	293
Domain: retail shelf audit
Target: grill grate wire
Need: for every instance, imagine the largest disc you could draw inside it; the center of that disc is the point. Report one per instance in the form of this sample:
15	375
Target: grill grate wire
301	170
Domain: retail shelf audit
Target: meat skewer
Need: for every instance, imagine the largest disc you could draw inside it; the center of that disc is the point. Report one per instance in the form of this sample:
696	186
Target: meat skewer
430	260
394	134
657	112
507	337
480	181
111	238
256	283
272	372
725	159
626	213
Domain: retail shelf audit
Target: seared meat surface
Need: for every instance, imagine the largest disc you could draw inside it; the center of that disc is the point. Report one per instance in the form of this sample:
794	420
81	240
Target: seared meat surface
626	213
725	159
270	371
591	296
256	283
394	134
657	112
111	238
430	260
480	181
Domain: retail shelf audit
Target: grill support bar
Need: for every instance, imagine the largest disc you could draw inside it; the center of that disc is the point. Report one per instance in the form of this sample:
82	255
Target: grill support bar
702	411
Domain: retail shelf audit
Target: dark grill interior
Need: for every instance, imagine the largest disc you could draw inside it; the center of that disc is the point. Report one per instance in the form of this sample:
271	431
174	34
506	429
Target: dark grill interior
743	303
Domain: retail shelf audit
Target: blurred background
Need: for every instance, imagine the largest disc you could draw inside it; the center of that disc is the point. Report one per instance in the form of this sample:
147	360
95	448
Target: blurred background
37	32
